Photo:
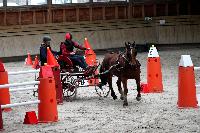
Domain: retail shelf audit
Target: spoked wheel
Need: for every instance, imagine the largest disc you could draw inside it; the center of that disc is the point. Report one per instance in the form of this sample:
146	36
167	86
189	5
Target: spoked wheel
69	89
102	91
35	92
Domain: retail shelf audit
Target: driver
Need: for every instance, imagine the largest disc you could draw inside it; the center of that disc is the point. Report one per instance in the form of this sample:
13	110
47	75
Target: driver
67	49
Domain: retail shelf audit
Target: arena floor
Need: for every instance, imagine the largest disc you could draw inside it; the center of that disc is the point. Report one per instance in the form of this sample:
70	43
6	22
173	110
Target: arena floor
156	112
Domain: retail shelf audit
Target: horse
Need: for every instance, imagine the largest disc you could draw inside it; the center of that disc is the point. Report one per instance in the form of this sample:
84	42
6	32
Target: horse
123	65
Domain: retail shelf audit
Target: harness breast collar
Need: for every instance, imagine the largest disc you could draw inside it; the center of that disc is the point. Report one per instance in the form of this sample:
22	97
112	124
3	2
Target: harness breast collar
122	54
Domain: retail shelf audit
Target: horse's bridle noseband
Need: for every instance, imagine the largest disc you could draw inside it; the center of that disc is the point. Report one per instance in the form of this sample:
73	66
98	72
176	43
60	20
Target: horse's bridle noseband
122	54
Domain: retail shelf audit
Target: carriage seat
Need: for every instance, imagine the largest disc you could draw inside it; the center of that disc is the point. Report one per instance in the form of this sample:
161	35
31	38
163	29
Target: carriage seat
65	63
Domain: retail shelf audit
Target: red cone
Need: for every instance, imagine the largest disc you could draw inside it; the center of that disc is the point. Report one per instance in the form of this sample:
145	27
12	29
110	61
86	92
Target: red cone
89	54
30	118
28	60
36	63
186	83
51	59
144	88
1	66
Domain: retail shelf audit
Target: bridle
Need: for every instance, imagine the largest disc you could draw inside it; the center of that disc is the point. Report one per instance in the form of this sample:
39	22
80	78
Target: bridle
124	56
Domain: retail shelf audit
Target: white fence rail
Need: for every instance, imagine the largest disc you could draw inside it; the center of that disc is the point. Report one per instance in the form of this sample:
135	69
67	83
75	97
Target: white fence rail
196	68
23	89
19	84
19	104
24	72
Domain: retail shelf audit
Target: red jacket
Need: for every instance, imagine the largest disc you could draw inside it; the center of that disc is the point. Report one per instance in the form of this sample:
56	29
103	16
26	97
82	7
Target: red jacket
67	47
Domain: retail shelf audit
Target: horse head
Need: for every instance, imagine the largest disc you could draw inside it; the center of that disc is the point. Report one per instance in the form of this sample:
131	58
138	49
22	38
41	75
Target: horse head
131	53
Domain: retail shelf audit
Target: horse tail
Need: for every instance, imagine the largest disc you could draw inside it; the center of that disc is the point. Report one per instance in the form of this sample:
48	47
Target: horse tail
103	76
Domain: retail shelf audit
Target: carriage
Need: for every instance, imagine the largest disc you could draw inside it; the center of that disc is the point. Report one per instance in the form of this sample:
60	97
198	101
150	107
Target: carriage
123	65
72	77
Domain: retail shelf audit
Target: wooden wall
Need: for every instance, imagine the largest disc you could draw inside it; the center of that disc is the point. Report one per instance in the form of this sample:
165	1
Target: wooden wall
91	12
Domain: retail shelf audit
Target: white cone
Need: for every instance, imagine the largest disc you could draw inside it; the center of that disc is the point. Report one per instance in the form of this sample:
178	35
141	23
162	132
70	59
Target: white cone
153	52
185	61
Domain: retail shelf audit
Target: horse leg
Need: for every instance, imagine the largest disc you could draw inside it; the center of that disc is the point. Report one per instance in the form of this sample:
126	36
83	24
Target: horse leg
111	88
138	98
120	88
124	81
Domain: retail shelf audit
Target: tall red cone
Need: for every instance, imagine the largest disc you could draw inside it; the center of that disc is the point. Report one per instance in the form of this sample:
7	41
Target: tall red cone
51	59
47	108
28	60
90	58
89	54
36	63
154	73
186	83
4	92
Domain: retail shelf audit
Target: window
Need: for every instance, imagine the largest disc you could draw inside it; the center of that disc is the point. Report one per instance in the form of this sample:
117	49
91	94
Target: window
37	2
108	0
101	0
16	2
1	3
25	2
60	1
68	1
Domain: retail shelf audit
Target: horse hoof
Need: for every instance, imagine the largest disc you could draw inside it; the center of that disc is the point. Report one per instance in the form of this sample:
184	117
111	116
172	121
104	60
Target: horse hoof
114	97
138	98
122	98
125	104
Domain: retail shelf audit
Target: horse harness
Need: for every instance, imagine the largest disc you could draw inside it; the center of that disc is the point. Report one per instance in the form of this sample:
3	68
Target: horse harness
120	68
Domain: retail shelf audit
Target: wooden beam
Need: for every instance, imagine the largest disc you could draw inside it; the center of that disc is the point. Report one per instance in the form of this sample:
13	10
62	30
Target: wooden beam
104	11
4	3
177	8
49	12
116	12
154	10
34	17
166	9
20	18
143	11
90	13
77	14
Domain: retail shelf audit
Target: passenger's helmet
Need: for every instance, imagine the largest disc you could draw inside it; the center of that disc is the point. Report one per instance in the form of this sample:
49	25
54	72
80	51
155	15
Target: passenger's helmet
68	36
46	38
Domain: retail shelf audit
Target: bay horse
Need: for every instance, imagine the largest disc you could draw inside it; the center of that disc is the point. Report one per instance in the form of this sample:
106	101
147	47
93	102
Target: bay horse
123	65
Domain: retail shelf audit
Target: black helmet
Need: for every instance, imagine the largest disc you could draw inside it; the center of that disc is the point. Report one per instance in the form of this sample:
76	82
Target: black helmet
46	38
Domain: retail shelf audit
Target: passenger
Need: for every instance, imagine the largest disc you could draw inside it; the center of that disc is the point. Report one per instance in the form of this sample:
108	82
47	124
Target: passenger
43	50
67	49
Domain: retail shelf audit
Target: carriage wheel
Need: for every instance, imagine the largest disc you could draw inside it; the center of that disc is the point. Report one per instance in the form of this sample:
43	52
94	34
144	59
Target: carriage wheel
102	91
69	90
35	92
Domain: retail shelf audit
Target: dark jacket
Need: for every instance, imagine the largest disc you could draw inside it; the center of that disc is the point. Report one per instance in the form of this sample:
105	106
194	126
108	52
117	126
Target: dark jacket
43	53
